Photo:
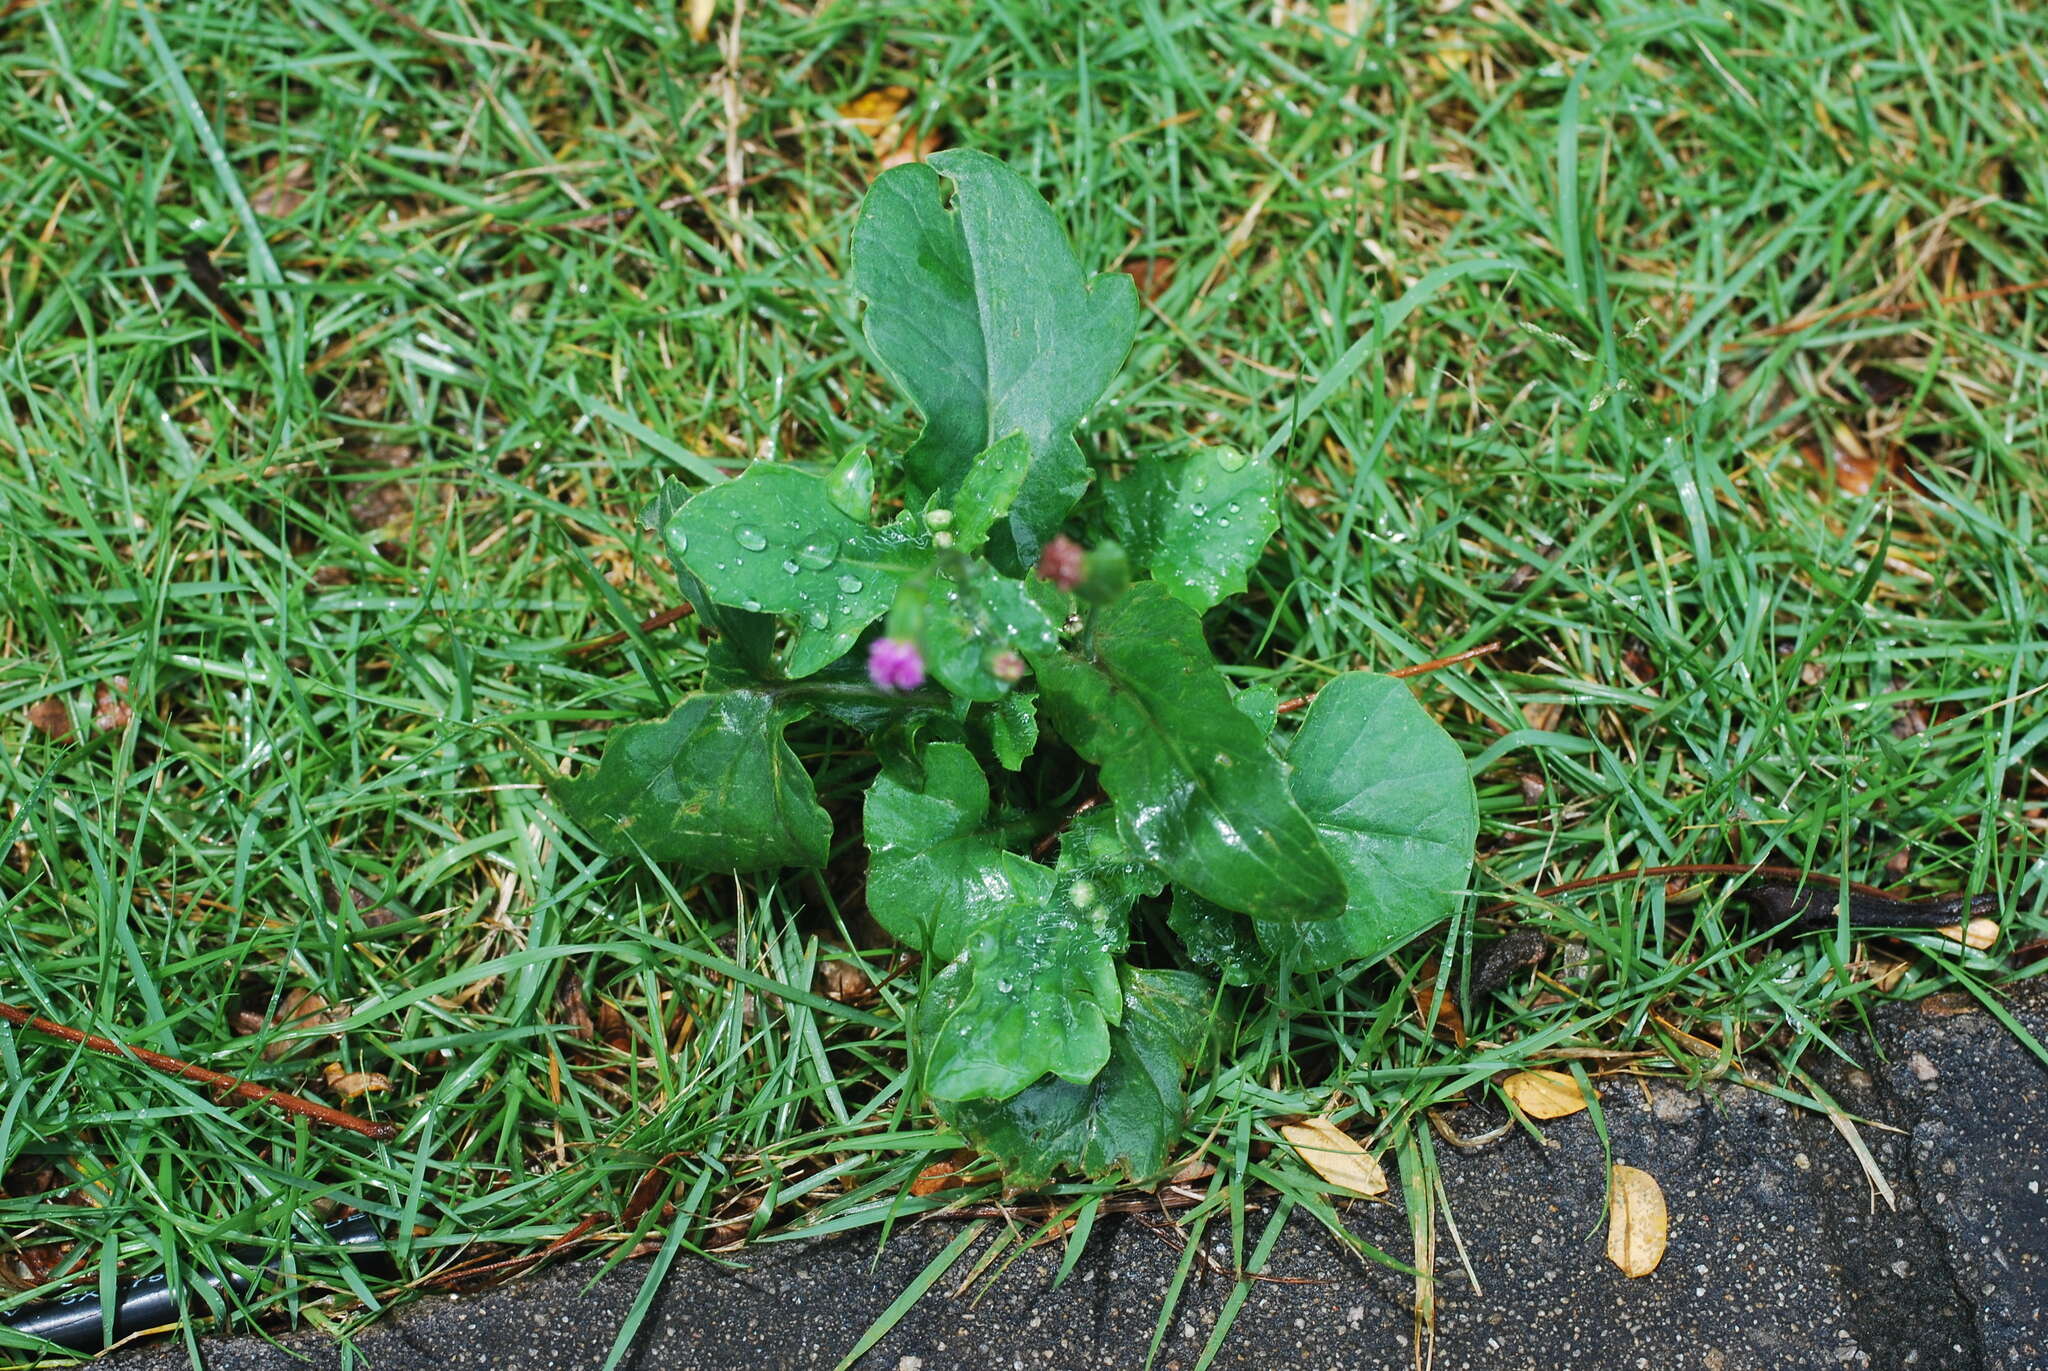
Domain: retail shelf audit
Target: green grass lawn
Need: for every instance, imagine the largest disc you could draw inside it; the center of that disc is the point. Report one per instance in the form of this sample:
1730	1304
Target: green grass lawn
1691	356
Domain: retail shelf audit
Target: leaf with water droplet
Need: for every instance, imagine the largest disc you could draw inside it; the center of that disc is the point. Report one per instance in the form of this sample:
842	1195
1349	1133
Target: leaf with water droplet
963	628
977	306
852	486
937	871
841	562
713	784
1198	791
1035	992
1390	793
748	638
1201	548
1127	1118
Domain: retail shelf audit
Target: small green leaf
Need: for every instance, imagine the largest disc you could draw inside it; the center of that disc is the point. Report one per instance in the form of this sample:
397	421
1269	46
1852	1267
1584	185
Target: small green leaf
1197	790
1391	795
772	541
1127	1118
963	628
713	785
984	498
936	873
1199	522
851	486
1260	704
1220	938
978	308
1013	728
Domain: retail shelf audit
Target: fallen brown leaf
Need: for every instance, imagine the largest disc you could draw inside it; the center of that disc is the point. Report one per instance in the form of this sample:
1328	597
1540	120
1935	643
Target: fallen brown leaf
1638	1227
1331	1153
110	708
1544	1094
1152	275
50	718
351	1084
950	1174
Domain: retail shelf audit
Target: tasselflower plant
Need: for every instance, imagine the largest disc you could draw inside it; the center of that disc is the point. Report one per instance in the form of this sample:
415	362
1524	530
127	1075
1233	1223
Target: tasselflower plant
1000	672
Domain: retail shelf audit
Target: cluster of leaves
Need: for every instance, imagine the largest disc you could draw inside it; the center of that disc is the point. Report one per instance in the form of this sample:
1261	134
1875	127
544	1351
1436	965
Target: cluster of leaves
1038	1037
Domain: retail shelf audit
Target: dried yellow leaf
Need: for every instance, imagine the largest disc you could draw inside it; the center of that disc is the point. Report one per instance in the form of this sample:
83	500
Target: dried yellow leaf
1981	934
1544	1094
1637	1226
700	19
875	110
1331	1154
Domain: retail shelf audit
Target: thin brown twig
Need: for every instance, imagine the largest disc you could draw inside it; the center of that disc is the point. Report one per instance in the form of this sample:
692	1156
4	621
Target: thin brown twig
1402	673
1894	308
647	625
248	1090
1787	873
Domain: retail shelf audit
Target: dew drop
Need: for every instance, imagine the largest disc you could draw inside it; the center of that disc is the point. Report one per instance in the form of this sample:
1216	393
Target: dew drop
751	606
791	567
750	539
1233	506
852	585
1230	459
817	555
818	618
1200	511
679	540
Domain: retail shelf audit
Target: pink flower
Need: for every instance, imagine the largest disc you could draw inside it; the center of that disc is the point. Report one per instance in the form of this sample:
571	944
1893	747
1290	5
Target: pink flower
894	664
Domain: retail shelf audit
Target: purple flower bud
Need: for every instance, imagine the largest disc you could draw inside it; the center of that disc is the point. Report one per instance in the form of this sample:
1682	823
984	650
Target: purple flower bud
894	664
1060	562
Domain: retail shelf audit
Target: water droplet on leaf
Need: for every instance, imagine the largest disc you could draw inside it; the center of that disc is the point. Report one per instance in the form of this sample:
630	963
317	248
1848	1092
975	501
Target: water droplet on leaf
852	585
750	539
1230	459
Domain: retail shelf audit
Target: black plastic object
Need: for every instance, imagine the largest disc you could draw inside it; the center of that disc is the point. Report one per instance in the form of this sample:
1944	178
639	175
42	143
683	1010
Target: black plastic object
78	1324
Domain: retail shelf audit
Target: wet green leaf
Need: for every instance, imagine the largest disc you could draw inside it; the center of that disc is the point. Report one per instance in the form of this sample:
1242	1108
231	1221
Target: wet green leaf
1198	523
978	308
937	873
1220	938
773	541
748	639
991	488
713	785
1198	792
1036	991
1390	793
964	627
1127	1117
1013	728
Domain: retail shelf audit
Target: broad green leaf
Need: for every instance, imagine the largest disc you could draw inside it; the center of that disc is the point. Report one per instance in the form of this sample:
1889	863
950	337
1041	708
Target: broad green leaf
1034	995
772	541
937	874
748	638
985	497
1036	991
1127	1118
977	307
1220	938
1198	523
964	627
1391	795
1013	728
713	784
1198	792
